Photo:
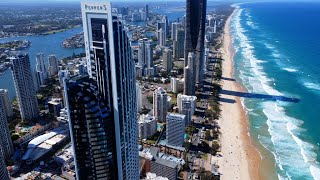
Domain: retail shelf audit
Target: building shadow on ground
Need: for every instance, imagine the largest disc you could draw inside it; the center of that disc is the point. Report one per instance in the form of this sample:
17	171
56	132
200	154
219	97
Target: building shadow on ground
259	96
225	100
228	79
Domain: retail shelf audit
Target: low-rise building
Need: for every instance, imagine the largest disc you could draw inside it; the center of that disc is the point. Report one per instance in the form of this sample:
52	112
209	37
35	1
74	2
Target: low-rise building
162	165
42	145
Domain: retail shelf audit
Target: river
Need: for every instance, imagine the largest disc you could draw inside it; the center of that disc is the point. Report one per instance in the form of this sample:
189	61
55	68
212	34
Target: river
49	44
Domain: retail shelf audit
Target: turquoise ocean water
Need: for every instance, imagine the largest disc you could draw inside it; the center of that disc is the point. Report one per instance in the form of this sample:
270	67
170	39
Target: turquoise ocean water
278	61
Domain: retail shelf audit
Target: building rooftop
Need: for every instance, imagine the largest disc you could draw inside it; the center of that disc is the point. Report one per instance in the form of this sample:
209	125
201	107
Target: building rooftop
175	115
167	160
55	101
66	155
44	143
146	118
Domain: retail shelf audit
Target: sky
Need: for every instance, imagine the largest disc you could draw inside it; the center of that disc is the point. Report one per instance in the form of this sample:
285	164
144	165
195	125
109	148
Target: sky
66	1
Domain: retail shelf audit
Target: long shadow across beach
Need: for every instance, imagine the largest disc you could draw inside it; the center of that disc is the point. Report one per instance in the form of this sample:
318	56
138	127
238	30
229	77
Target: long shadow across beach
228	79
259	96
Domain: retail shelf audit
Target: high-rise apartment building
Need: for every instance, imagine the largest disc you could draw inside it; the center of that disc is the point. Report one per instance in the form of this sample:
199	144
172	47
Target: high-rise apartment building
175	129
141	52
160	104
149	54
5	137
195	35
36	80
162	37
147	126
110	64
24	86
147	11
174	28
145	56
189	78
167	60
139	97
187	106
41	68
53	65
165	26
178	44
4	98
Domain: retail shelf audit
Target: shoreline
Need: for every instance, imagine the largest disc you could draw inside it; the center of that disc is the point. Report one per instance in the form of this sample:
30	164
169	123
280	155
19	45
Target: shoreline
241	159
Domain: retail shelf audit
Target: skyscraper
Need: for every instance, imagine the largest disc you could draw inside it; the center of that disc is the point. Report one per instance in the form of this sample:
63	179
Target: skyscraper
162	37
189	71
53	65
3	168
4	97
175	129
147	11
195	35
178	44
165	26
160	104
139	97
5	137
90	122
41	68
187	106
141	52
24	85
111	65
167	60
36	79
149	54
174	28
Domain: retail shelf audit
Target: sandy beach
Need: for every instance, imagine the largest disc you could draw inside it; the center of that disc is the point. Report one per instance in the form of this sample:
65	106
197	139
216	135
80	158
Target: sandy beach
240	160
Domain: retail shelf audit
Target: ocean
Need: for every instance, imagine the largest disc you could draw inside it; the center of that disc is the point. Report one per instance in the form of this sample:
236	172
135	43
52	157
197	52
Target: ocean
277	59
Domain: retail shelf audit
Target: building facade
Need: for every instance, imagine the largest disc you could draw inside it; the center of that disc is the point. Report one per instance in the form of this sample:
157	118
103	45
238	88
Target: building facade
178	44
111	65
167	60
139	97
195	35
4	98
41	68
24	86
90	122
189	76
145	57
160	104
53	65
175	129
147	126
163	167
187	106
5	136
174	28
4	175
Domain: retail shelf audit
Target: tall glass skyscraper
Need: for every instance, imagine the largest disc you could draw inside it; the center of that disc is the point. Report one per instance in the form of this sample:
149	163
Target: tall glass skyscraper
3	170
23	81
111	65
194	40
90	127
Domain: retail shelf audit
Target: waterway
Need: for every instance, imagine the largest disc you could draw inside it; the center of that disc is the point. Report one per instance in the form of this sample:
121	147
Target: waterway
49	44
